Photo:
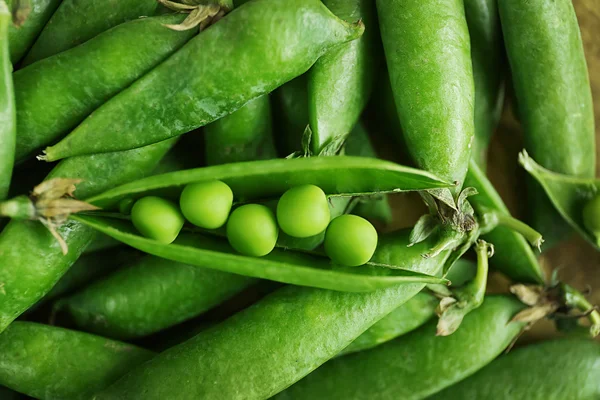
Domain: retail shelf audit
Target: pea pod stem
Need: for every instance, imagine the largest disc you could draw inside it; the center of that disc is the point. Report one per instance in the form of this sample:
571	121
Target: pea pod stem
575	299
492	219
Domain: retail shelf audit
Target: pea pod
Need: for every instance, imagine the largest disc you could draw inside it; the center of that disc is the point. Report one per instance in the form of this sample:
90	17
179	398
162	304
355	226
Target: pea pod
56	94
32	260
54	363
149	295
286	336
294	34
245	135
553	94
428	56
419	364
487	53
341	81
7	105
553	370
569	195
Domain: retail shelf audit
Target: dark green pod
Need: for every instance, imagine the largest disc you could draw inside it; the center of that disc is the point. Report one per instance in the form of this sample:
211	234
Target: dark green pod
419	364
7	104
285	336
213	75
57	93
32	260
429	61
553	370
52	363
149	295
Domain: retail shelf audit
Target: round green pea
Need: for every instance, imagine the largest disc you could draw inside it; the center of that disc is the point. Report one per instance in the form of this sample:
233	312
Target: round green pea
252	230
303	211
206	204
591	215
157	218
350	240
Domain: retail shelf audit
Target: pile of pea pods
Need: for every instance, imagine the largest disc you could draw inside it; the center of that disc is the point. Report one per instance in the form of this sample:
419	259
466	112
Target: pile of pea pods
192	205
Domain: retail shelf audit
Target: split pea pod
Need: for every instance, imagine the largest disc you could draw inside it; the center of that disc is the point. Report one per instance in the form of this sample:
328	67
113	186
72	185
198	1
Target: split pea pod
47	362
54	95
553	94
553	370
294	34
7	105
286	336
419	364
32	260
429	61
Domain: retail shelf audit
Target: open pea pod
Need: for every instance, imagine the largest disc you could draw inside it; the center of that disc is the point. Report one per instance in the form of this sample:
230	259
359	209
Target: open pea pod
568	194
291	267
338	175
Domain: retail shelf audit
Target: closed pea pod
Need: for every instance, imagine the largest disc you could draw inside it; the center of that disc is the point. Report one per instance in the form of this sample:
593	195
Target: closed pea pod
154	108
54	95
7	105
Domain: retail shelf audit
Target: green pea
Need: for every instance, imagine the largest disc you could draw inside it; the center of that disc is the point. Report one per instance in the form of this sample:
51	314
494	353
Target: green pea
303	211
350	240
126	205
206	204
252	230
157	218
591	215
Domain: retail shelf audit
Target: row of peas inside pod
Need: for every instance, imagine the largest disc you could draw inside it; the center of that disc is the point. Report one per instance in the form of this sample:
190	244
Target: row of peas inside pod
253	229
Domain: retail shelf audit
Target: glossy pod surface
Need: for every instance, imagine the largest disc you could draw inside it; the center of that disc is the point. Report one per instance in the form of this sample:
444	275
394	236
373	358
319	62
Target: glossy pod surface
56	94
52	363
7	105
294	33
286	336
553	370
429	61
418	364
32	261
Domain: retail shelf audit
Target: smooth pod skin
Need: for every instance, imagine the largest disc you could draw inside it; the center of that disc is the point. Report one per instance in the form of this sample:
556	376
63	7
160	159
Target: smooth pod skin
418	364
303	211
552	370
21	38
552	88
48	362
428	55
32	261
56	94
157	218
206	204
76	21
487	53
244	135
294	33
252	230
340	82
149	295
591	215
350	240
7	105
286	336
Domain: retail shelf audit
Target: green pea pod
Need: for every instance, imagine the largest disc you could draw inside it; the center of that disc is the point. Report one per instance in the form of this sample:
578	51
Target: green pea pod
294	33
149	295
56	94
553	370
244	135
47	362
419	364
21	37
101	242
569	195
7	105
32	260
285	336
75	22
406	318
341	81
487	53
291	117
553	94
429	61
